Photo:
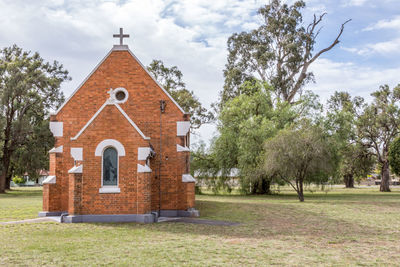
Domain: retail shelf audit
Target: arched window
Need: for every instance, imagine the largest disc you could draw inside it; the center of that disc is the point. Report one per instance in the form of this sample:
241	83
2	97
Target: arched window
110	167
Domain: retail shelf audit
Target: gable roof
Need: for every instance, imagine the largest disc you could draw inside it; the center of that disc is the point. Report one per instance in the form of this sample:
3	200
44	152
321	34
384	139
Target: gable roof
118	48
109	102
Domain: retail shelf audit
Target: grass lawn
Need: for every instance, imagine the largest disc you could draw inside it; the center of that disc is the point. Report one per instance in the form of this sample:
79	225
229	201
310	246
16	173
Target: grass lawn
341	227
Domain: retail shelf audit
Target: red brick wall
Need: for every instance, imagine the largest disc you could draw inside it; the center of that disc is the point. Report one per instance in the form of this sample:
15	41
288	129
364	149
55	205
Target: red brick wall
75	193
190	195
110	124
52	196
120	69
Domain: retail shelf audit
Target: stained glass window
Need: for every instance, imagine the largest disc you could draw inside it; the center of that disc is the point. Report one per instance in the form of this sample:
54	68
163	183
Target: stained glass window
110	166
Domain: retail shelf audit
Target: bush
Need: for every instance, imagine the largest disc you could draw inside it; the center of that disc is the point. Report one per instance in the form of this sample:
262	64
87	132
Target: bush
394	156
18	180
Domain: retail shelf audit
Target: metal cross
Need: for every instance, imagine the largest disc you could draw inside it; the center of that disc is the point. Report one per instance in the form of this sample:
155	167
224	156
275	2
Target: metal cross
121	36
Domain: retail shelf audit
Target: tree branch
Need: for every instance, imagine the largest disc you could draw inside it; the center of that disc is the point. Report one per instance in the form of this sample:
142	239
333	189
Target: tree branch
303	72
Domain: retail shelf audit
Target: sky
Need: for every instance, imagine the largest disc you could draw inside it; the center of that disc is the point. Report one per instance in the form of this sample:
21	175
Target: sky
192	35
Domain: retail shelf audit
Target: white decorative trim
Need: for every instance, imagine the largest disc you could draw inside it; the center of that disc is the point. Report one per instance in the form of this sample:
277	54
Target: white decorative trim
113	95
50	180
143	153
119	48
110	101
76	169
180	148
77	153
109	190
56	150
110	142
141	168
131	122
182	128
90	121
56	127
187	178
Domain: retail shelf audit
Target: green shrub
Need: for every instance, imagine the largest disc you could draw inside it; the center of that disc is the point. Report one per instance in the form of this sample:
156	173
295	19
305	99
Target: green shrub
18	180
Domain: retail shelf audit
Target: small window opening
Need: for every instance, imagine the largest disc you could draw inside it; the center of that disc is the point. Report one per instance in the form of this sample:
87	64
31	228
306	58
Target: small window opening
120	95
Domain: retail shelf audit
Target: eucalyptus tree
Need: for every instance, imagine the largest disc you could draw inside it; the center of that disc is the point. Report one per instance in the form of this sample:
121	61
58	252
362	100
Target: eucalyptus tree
245	123
279	52
378	125
29	89
171	78
356	160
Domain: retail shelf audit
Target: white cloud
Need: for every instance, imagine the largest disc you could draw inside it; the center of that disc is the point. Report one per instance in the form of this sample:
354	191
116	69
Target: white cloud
347	76
386	48
385	24
349	3
189	34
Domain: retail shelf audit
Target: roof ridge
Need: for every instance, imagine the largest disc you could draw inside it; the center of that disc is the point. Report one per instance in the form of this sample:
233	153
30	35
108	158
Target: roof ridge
118	48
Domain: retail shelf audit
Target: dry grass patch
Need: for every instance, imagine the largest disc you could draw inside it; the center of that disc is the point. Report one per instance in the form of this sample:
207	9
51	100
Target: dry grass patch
342	227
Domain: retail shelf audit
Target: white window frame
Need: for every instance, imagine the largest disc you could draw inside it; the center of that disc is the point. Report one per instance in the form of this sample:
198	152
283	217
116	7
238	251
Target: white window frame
186	140
114	95
109	188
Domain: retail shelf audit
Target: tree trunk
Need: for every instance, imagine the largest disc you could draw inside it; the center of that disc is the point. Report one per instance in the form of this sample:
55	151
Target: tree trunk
385	177
265	186
2	183
8	182
8	178
349	180
300	193
3	176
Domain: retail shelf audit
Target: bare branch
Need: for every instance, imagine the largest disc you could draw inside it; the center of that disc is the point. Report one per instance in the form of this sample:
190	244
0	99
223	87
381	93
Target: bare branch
303	73
335	42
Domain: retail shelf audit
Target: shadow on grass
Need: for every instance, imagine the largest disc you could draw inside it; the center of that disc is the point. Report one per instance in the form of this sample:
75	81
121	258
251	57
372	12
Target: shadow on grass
266	221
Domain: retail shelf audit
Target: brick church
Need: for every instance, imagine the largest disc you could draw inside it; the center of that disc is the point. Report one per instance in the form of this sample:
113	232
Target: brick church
122	148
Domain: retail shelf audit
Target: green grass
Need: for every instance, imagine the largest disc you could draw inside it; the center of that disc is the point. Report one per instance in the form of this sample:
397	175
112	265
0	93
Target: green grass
21	203
341	227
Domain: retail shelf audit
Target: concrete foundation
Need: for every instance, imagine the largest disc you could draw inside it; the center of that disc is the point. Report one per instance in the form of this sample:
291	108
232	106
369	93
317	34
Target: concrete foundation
110	218
115	218
180	213
51	213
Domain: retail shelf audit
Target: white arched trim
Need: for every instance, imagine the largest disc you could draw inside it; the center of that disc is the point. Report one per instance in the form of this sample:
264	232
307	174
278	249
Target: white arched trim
110	142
